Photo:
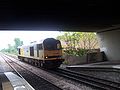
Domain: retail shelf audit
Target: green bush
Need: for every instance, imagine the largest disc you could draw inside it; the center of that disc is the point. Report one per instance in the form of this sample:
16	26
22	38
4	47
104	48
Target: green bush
65	62
76	52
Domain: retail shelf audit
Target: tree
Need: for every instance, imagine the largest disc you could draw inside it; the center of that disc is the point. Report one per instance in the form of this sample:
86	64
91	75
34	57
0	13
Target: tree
18	42
13	49
79	42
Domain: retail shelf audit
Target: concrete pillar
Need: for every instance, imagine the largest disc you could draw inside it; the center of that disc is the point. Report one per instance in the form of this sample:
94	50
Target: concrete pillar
110	43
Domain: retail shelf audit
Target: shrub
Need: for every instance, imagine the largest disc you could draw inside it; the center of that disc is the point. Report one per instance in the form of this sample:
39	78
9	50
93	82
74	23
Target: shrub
76	52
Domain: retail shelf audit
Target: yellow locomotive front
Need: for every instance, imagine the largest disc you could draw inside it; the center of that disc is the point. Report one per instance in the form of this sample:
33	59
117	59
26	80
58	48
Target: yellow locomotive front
52	53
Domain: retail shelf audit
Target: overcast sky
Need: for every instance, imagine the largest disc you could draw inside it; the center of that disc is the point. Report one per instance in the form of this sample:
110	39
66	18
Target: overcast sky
7	37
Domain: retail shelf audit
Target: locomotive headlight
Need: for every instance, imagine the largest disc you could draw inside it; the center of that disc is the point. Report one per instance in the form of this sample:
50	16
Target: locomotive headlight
46	57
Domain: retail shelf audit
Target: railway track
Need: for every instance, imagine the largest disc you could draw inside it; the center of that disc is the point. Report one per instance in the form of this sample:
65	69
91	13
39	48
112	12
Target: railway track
102	69
36	81
89	80
86	79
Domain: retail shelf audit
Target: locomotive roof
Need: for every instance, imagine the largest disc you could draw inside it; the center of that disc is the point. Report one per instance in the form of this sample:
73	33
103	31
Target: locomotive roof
34	43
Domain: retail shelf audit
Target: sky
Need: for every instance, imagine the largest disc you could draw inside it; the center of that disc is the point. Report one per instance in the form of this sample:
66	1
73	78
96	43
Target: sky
7	37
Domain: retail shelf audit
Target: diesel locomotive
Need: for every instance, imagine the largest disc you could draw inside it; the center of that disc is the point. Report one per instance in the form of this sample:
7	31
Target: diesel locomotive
46	54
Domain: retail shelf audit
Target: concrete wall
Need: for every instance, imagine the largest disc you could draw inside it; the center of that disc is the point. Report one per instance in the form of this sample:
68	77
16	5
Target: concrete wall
89	58
73	60
110	43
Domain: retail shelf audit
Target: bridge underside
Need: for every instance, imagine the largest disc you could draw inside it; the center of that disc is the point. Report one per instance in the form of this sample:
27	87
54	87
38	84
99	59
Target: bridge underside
63	15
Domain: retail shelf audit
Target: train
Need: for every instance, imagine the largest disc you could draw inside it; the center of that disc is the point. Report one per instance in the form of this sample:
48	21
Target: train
46	53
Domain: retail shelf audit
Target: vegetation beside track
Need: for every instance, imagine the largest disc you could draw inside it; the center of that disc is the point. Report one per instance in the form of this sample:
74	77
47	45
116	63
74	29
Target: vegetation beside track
12	49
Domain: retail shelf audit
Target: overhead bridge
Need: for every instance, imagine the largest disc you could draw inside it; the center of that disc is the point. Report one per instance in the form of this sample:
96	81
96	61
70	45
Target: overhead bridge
57	15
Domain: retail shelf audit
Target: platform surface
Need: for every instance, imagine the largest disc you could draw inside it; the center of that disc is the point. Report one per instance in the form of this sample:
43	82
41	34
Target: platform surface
11	81
107	64
17	82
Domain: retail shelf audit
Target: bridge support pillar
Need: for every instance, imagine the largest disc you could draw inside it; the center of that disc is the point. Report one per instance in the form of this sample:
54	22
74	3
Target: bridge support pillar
110	43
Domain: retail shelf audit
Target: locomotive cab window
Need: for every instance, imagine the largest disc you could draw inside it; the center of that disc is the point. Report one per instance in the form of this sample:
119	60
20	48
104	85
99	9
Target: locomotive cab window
31	51
52	45
19	51
39	47
58	46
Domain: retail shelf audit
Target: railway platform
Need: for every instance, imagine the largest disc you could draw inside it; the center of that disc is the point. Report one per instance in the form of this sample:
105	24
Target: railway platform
106	64
9	80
